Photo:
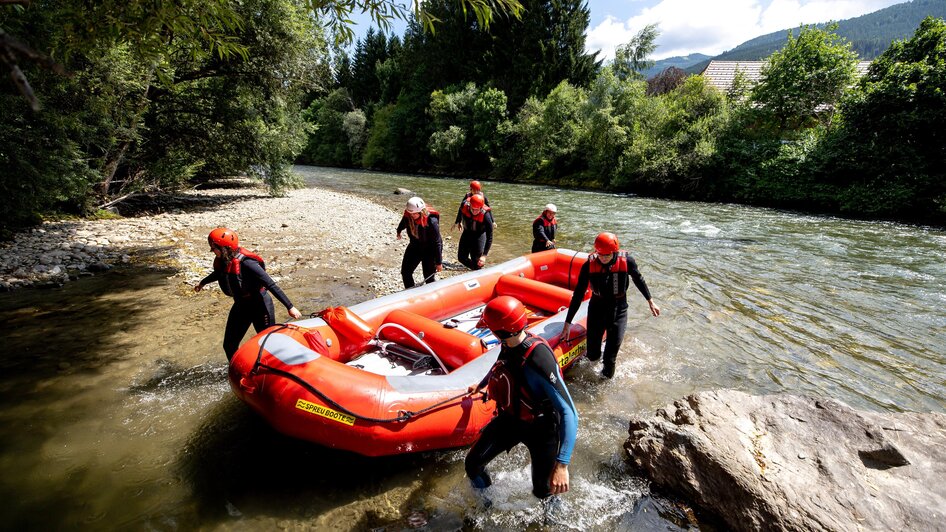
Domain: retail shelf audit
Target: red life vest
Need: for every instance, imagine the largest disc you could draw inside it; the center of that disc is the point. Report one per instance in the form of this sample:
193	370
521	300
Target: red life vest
508	388
545	221
413	226
469	220
605	282
231	278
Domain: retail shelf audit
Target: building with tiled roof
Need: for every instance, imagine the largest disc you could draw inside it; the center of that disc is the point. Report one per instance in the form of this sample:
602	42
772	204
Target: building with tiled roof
720	74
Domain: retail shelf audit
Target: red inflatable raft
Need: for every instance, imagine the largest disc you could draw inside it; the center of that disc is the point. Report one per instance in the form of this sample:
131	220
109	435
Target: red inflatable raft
390	375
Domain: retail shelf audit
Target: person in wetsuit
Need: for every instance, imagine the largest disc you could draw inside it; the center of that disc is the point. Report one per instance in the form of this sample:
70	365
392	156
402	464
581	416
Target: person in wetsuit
608	271
533	405
426	247
477	236
475	188
543	229
242	275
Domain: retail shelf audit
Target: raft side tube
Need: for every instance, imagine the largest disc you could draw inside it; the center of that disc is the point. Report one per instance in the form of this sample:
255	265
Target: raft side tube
455	348
537	294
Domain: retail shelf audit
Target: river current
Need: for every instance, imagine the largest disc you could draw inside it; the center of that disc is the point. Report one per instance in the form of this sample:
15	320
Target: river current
758	300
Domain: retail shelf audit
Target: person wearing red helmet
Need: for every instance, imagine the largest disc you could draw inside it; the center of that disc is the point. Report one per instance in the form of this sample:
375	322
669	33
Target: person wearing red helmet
543	229
475	188
608	271
426	247
242	275
477	236
533	405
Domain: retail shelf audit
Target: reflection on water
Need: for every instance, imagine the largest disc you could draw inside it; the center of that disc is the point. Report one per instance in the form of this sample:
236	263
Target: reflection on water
116	412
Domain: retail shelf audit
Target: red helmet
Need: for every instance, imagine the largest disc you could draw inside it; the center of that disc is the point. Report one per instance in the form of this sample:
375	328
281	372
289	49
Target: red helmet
606	243
475	185
505	316
223	237
477	201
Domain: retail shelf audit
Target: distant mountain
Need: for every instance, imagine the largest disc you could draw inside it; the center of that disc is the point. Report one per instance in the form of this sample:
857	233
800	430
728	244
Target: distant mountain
869	34
675	61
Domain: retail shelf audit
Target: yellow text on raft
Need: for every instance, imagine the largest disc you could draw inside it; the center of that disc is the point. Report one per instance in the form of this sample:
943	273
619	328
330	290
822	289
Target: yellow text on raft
313	408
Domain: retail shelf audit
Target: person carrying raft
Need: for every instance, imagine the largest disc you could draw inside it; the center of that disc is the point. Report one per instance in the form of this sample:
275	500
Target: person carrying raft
608	271
426	247
533	405
242	275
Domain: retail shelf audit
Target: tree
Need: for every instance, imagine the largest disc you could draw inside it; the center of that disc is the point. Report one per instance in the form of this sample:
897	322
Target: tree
630	59
667	80
888	155
801	83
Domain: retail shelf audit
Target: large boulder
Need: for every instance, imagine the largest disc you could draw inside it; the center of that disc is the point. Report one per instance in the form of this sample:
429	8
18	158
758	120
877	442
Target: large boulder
782	462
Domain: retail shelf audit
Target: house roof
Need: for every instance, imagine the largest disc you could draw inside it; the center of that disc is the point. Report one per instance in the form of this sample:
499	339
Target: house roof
720	74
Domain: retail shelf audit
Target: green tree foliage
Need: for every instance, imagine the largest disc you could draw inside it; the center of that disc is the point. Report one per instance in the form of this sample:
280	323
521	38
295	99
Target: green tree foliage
466	122
888	157
550	132
801	83
521	57
329	143
136	115
631	58
371	52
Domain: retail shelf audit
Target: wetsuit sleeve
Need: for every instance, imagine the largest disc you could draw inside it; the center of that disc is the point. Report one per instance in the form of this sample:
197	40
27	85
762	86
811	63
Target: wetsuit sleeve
403	225
459	212
538	231
638	278
267	281
489	232
434	228
581	286
545	380
214	276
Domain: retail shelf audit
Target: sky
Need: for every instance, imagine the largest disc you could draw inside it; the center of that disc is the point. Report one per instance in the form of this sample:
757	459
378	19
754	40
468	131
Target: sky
697	26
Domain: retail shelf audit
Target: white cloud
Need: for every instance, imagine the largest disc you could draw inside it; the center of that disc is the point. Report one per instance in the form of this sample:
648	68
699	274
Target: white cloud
712	27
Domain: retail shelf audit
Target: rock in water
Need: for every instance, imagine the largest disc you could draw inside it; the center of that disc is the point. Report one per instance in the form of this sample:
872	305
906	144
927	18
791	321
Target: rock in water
783	462
404	191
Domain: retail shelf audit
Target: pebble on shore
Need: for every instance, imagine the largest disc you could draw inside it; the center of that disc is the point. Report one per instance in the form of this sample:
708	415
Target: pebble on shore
307	229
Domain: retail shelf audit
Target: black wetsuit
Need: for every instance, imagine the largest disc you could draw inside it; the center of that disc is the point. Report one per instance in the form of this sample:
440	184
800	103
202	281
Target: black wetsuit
543	232
426	248
607	309
251	302
549	431
476	240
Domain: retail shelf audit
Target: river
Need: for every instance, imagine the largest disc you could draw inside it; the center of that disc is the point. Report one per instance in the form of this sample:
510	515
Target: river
110	421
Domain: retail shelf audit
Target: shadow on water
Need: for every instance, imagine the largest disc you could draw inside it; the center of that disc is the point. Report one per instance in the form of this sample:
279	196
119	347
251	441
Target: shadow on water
42	340
240	468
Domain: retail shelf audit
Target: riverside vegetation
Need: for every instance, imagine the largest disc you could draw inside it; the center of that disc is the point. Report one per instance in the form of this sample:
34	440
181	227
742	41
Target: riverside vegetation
200	90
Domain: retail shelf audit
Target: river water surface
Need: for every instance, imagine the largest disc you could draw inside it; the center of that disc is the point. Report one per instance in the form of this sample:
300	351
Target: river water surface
116	412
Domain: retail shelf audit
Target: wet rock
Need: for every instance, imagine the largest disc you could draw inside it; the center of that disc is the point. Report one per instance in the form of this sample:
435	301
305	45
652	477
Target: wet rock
99	267
796	463
403	191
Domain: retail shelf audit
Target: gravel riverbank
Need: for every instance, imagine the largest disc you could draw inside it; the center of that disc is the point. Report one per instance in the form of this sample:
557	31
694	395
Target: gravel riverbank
307	235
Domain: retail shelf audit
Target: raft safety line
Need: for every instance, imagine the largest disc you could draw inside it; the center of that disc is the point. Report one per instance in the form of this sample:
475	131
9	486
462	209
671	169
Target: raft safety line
405	415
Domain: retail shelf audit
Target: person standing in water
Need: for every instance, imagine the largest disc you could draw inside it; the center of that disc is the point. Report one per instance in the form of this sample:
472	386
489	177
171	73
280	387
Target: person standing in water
477	236
426	247
475	188
533	405
242	275
543	229
608	271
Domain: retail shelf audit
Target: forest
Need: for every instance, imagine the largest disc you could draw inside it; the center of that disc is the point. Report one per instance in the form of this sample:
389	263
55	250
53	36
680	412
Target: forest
152	101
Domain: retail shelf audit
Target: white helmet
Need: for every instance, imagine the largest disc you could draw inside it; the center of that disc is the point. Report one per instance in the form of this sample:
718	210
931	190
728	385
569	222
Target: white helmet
415	204
551	207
